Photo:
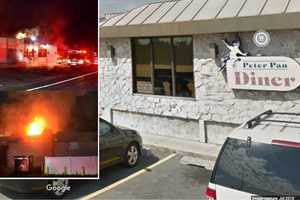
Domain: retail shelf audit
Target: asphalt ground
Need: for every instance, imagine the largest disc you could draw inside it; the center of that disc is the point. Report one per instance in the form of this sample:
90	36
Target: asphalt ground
16	78
159	175
85	82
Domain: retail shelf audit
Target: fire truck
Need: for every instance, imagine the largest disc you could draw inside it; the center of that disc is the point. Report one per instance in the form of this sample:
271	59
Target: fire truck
78	58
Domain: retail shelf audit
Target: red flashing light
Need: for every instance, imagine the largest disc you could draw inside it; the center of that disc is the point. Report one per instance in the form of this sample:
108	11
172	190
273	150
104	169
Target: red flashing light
286	143
211	193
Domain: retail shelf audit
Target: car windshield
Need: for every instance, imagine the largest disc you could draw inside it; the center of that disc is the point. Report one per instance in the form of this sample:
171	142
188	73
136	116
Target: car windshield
258	168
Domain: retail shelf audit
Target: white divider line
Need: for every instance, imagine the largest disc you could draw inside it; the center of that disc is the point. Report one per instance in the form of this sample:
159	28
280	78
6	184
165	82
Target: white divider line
2	196
110	187
60	82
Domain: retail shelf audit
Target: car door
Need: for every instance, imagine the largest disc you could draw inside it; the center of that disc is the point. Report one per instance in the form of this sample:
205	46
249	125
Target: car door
111	142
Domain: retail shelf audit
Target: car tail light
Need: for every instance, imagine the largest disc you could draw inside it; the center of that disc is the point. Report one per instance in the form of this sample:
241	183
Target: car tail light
211	193
286	143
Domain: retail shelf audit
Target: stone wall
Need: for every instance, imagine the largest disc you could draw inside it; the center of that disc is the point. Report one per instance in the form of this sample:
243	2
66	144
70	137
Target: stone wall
214	101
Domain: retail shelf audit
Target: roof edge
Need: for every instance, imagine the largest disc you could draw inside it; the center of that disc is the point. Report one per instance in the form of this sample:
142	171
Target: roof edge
224	25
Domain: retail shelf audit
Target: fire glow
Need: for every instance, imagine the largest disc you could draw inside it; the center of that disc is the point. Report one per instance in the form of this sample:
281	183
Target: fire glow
36	127
40	113
28	33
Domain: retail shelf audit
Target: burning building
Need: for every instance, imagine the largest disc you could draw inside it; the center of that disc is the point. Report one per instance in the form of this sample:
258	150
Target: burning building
25	50
55	134
37	54
10	48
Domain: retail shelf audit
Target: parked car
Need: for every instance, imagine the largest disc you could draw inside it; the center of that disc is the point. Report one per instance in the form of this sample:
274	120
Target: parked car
117	145
260	158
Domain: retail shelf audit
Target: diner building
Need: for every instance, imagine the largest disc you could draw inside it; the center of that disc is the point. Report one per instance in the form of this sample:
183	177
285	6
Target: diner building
24	52
196	69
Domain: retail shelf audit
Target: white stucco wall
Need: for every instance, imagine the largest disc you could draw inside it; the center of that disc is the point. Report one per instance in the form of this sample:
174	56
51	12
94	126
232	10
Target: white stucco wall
214	101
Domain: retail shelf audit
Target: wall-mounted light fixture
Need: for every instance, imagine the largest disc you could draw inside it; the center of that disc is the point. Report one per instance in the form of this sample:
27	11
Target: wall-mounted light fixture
110	51
214	49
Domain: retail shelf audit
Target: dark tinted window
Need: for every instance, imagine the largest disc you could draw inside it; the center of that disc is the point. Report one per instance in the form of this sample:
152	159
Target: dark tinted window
142	60
229	168
183	49
163	66
105	128
262	169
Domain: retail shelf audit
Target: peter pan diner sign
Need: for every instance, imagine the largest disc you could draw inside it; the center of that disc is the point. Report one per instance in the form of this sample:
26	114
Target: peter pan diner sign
262	73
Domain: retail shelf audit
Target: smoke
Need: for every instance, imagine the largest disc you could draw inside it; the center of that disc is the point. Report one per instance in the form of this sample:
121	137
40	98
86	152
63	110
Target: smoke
28	33
58	31
22	108
55	22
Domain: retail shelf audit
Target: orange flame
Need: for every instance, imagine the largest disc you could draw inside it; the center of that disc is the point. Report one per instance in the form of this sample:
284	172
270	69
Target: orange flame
36	127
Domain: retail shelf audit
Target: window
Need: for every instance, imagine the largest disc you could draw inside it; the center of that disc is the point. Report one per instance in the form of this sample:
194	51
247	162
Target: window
162	51
183	48
105	128
262	169
163	66
42	52
29	53
143	72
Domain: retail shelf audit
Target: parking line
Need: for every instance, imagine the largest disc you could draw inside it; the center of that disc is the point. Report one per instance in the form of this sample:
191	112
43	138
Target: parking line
2	196
110	187
59	82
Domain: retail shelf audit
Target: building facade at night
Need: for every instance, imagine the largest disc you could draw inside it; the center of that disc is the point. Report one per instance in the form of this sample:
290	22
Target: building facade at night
160	66
27	53
9	49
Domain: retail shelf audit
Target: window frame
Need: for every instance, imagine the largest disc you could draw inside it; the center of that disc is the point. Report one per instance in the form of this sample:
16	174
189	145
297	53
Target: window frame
152	63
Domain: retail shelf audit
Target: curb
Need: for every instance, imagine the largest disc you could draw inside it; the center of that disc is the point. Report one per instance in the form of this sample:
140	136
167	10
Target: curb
189	158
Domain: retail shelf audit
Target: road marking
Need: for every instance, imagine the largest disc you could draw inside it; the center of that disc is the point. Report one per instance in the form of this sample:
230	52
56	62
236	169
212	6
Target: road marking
2	196
110	187
111	160
60	82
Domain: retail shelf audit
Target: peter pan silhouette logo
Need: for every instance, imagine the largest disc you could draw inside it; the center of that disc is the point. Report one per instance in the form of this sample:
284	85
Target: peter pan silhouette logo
276	73
234	53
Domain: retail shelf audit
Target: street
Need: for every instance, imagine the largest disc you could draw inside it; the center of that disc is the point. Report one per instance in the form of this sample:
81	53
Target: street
20	79
167	179
85	82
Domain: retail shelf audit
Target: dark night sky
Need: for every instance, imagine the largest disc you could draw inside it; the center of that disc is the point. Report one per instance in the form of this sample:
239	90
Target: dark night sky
73	22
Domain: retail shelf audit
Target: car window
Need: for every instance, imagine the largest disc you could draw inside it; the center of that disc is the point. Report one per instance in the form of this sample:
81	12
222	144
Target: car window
262	169
105	128
273	170
229	167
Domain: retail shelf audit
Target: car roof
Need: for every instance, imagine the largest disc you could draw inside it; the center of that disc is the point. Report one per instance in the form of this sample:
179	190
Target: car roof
269	126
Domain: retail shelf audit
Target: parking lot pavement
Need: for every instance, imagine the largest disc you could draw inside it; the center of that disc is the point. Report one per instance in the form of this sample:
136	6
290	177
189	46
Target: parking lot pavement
169	180
166	180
